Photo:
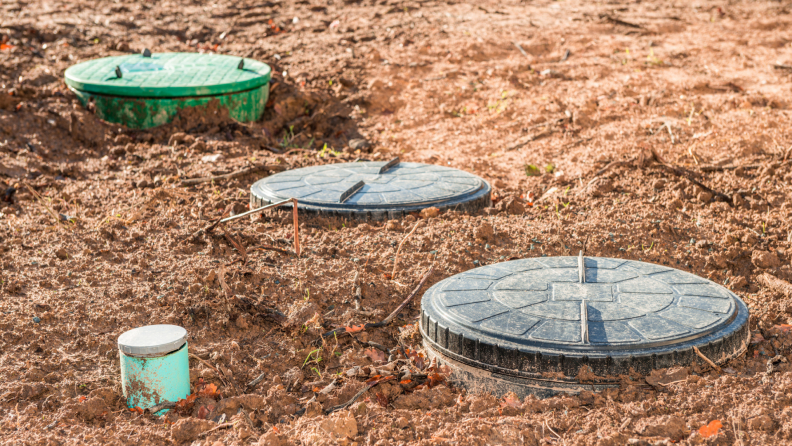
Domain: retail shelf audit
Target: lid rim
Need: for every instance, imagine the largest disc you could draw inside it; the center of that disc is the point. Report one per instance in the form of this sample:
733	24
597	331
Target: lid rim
152	340
75	76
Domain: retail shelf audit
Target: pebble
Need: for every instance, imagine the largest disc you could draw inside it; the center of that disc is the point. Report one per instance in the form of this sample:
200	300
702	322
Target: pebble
37	319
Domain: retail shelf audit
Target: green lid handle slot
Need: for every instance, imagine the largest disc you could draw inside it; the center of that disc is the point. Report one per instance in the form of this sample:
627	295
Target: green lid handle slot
241	65
146	52
119	75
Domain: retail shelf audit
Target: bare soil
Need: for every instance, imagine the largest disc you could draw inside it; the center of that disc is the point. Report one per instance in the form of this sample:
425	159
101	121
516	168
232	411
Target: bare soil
567	107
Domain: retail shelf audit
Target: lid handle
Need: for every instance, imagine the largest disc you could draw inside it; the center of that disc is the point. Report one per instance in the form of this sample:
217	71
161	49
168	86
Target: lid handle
119	75
241	65
146	52
390	164
351	191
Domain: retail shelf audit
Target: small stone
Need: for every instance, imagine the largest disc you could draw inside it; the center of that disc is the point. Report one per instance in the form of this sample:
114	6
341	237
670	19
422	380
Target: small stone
142	183
738	200
705	197
37	319
402	422
740	171
484	231
765	259
198	146
340	425
62	254
122	46
676	203
359	144
659	184
188	429
393	225
431	212
176	138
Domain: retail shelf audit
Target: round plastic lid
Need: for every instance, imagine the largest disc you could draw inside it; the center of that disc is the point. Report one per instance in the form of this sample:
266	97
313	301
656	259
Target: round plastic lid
381	185
581	308
167	75
152	340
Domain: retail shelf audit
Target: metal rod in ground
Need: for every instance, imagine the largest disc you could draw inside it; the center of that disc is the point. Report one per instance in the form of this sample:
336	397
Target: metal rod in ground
234	217
296	228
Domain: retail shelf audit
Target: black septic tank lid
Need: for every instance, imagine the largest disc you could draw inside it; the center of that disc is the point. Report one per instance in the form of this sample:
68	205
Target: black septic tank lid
534	325
377	190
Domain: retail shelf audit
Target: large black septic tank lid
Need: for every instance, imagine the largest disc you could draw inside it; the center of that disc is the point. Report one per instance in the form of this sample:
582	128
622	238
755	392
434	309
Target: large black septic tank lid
544	325
376	190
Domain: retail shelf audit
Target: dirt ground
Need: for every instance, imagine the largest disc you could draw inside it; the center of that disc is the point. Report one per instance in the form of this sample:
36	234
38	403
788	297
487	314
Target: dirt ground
572	110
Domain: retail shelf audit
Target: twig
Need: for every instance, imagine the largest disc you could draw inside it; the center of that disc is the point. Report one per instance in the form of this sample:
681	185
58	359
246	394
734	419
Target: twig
398	250
551	429
238	245
531	138
780	286
213	225
689	175
707	360
720	168
238	173
521	49
49	210
668	126
351	400
220	374
164	405
616	21
256	381
218	427
780	66
388	319
296	227
270	248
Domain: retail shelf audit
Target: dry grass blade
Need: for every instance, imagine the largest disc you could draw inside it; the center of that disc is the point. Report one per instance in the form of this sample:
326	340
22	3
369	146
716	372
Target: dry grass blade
238	245
707	360
220	374
44	205
386	321
238	173
398	250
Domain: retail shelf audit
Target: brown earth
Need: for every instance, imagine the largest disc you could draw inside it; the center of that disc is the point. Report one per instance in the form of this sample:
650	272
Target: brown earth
93	220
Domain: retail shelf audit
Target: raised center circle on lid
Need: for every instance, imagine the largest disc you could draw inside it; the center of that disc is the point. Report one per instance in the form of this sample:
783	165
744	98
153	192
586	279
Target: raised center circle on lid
540	302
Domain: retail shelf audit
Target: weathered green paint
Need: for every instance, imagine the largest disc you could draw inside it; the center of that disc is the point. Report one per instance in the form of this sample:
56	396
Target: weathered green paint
143	113
168	75
147	382
150	91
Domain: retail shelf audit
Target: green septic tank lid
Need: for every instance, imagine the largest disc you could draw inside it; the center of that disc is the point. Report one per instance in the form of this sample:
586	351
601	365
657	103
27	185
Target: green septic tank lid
168	75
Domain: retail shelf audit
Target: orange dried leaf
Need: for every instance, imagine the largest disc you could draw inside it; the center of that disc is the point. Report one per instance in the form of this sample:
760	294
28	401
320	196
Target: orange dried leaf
355	328
710	429
4	47
510	401
405	381
136	409
375	354
83	398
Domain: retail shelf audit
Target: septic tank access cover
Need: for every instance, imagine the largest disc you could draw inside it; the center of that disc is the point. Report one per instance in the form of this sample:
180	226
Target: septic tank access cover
152	340
535	325
145	90
375	190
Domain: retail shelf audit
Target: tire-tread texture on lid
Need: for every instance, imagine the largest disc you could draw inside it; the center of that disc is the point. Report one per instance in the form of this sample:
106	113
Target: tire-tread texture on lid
401	190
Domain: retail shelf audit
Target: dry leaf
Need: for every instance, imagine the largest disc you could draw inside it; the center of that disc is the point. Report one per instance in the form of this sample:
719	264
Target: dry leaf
710	429
374	354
